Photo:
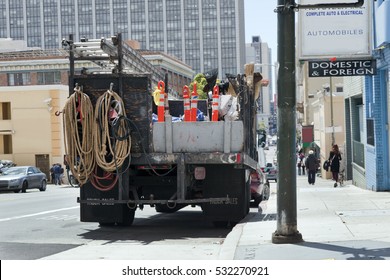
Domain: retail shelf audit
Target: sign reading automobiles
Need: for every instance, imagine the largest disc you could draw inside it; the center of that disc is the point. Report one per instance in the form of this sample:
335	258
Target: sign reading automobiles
342	32
333	68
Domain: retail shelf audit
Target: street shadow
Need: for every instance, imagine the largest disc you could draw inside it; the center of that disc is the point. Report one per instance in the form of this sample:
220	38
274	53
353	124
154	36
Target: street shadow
372	250
174	226
259	217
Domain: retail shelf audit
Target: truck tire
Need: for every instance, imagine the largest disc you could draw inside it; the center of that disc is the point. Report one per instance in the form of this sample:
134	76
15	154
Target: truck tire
104	224
266	192
258	199
247	196
128	217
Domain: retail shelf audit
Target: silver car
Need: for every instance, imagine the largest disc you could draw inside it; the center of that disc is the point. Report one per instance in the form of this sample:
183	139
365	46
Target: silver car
21	178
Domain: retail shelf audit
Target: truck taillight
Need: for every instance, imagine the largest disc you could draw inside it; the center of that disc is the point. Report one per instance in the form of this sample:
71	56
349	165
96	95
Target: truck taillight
200	173
238	160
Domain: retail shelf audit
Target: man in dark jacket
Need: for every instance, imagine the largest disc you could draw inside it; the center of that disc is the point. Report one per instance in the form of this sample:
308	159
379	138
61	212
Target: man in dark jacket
311	166
58	170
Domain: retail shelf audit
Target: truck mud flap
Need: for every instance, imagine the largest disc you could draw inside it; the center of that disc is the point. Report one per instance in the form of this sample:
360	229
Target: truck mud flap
226	181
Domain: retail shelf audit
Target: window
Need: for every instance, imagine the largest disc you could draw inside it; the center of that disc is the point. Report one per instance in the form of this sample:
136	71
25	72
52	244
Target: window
49	78
5	110
370	132
5	144
19	79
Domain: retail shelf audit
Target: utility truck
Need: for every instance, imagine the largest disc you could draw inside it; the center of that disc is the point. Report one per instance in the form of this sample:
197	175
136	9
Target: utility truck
163	164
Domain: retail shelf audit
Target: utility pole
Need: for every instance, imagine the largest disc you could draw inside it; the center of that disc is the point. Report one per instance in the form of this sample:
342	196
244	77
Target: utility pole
331	109
286	231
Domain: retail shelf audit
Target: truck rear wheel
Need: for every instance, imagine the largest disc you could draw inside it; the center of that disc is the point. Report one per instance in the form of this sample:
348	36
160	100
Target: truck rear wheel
128	216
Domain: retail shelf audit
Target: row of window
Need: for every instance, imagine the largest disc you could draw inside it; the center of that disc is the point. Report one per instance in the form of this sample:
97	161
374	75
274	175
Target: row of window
43	78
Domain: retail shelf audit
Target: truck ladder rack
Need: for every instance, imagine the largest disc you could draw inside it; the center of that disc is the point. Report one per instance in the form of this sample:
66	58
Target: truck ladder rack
114	55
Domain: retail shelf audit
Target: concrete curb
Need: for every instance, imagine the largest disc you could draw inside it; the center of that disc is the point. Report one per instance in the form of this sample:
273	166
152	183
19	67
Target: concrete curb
230	243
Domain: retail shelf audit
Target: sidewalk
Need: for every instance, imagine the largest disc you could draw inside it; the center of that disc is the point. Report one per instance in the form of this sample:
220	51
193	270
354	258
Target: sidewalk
343	223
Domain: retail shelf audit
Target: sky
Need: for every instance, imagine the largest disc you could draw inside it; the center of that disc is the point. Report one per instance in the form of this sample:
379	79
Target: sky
260	19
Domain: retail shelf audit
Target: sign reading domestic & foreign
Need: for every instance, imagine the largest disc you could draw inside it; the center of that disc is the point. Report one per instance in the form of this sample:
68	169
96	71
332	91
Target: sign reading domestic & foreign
333	68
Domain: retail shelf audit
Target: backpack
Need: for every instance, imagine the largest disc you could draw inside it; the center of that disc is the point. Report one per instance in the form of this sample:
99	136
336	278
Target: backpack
326	165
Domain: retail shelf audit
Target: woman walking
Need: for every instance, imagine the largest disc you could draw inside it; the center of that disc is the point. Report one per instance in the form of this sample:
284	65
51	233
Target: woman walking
334	160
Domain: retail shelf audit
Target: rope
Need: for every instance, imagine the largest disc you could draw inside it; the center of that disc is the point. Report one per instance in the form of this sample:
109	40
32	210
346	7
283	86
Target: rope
112	146
77	122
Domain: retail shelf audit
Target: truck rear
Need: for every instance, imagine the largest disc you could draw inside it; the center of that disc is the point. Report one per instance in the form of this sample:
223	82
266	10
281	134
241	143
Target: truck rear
166	165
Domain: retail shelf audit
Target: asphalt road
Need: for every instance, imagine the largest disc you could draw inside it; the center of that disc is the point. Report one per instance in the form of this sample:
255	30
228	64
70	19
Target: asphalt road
36	225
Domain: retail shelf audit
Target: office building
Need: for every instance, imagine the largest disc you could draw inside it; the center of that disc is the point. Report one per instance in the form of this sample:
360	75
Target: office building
205	34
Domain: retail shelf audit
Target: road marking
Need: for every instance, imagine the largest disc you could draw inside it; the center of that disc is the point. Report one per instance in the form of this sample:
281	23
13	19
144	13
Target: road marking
59	217
37	214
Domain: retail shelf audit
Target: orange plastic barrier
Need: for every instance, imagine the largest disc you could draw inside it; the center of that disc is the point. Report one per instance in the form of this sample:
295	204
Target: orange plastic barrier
187	104
161	104
215	104
194	104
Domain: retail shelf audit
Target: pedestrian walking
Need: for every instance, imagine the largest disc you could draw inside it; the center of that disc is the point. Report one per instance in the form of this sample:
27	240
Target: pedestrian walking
312	167
334	160
303	166
299	164
58	170
52	177
302	161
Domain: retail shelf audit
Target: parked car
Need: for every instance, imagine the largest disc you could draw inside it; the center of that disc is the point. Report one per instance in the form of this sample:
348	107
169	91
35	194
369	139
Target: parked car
259	187
271	171
21	178
5	164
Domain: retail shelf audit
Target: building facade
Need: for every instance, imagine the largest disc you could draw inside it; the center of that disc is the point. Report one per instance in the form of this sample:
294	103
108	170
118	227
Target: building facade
205	34
377	104
320	106
367	107
260	54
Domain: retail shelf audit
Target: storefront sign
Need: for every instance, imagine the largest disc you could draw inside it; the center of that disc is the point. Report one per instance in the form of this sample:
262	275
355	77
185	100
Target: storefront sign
343	32
342	68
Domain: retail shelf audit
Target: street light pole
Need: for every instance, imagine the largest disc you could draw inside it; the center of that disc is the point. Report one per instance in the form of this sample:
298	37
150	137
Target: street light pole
286	231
